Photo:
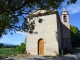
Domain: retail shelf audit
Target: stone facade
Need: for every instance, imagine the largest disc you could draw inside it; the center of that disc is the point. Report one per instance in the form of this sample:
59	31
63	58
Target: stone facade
47	36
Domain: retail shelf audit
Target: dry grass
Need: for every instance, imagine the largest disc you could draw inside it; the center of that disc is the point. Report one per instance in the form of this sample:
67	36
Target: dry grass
22	55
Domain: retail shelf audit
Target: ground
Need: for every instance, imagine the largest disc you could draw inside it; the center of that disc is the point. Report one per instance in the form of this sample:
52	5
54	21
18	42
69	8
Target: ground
66	57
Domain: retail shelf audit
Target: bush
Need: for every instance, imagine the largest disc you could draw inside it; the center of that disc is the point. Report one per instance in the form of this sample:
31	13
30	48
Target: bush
21	48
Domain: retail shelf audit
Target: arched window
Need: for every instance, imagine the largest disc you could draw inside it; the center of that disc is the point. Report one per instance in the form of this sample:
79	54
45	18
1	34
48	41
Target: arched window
65	19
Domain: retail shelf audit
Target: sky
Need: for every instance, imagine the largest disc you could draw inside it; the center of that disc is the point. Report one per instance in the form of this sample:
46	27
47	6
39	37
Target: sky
74	14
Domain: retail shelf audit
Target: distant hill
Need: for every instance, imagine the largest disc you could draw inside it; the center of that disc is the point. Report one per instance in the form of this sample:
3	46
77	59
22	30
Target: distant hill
5	44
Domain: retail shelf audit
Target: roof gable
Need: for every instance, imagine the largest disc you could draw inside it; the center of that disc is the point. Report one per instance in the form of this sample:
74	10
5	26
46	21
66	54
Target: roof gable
40	12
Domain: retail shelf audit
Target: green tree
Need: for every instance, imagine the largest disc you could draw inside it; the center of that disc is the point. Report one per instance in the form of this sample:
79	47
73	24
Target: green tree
22	47
75	36
12	12
1	45
74	32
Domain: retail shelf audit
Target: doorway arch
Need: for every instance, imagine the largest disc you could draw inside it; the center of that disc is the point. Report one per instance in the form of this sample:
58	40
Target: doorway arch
40	46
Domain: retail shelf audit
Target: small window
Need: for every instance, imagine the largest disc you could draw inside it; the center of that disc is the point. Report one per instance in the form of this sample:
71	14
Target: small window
40	20
65	19
65	32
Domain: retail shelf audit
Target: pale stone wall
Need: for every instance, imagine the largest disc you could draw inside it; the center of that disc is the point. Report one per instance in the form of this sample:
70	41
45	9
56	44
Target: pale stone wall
47	30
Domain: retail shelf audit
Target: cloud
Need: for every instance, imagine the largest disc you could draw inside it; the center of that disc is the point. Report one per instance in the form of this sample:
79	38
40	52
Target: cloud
22	33
74	8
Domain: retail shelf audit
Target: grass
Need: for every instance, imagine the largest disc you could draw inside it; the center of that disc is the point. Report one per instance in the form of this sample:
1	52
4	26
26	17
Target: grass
8	52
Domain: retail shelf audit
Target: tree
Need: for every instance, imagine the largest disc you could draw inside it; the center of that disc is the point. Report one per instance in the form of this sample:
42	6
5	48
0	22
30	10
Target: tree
22	47
74	32
75	36
12	12
1	45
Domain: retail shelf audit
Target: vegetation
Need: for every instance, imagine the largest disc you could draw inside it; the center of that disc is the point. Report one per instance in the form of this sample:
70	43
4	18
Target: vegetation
12	50
1	45
12	13
8	51
22	47
75	36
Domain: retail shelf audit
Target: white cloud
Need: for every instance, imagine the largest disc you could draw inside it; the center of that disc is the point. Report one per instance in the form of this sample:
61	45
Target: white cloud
22	33
74	8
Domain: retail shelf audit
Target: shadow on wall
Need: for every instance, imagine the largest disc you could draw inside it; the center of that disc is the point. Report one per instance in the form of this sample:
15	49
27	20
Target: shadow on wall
74	40
66	45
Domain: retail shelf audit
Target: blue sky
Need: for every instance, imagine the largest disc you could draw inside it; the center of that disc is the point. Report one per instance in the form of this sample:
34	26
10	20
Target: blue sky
74	14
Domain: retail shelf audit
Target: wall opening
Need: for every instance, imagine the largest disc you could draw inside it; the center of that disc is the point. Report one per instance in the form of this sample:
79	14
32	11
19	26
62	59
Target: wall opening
65	19
41	47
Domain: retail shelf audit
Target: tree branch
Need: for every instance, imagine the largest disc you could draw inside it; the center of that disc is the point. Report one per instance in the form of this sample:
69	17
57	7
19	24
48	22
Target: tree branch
15	9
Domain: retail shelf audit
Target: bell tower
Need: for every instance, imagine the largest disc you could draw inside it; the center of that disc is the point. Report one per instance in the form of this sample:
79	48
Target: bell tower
65	29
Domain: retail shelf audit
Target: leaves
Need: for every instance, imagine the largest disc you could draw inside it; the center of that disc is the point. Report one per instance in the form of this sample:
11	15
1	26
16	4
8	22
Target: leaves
12	13
75	36
75	30
22	47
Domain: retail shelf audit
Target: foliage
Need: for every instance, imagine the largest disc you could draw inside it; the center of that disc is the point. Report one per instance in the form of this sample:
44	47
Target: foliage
12	12
22	47
1	45
75	36
74	32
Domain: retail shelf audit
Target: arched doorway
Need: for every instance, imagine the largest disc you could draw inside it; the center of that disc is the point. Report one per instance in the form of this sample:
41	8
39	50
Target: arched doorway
41	47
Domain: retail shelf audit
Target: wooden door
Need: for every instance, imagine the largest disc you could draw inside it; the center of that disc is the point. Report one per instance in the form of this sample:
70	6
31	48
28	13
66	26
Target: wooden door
41	47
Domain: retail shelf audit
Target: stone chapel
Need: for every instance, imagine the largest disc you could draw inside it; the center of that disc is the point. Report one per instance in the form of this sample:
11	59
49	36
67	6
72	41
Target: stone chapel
51	33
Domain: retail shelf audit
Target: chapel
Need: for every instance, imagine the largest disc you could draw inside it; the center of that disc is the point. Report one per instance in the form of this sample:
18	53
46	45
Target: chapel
50	34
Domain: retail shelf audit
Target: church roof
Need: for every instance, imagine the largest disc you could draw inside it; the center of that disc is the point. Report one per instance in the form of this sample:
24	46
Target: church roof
40	12
64	12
